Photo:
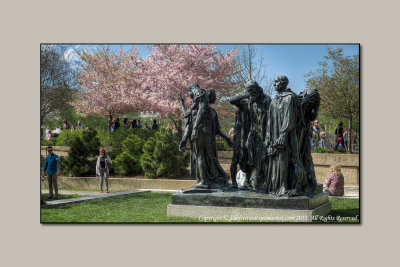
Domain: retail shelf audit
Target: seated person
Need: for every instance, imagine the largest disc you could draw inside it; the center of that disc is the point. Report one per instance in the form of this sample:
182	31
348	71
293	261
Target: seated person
335	181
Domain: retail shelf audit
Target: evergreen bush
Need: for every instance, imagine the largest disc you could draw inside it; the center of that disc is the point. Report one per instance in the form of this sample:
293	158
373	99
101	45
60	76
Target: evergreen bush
64	138
82	154
116	138
128	162
161	156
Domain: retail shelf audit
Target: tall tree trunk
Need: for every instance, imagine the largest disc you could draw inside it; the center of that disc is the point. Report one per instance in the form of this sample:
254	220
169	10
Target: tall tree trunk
110	117
349	136
41	131
178	125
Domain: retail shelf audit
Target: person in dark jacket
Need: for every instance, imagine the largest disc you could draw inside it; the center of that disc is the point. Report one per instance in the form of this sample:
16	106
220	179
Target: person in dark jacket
155	125
339	135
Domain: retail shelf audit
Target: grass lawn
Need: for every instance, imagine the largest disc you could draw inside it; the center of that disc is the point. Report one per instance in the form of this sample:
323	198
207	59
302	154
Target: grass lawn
152	208
345	208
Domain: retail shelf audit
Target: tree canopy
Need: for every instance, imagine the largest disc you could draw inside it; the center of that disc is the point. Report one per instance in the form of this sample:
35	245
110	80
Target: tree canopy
338	82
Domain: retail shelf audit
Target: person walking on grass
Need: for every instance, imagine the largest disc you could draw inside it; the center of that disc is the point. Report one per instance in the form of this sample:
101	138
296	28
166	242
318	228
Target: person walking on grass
50	167
102	169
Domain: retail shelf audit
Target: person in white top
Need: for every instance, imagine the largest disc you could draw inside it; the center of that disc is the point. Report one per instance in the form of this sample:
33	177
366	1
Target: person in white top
323	137
102	168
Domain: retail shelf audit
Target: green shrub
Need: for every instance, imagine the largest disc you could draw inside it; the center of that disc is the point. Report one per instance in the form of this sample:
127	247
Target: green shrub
161	156
92	142
322	150
222	145
148	160
65	137
81	149
116	138
77	162
51	142
128	162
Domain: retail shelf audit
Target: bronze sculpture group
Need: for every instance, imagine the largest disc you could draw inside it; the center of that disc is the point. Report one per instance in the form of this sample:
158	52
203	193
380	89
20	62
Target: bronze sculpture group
271	139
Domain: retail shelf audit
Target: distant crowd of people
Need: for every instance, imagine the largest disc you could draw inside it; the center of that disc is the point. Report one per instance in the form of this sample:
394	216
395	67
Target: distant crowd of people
133	124
114	126
65	126
320	136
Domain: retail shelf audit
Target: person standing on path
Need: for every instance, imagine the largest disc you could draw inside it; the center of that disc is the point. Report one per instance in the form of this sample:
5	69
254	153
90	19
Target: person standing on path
50	167
102	168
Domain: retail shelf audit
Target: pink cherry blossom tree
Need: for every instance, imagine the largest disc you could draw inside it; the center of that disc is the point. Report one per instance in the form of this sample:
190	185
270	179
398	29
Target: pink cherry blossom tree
169	69
108	83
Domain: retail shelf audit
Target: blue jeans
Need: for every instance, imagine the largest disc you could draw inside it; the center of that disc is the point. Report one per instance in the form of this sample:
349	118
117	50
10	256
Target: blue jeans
323	143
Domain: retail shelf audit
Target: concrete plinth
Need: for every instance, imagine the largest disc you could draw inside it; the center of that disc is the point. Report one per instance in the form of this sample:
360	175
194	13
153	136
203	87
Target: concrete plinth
240	205
212	213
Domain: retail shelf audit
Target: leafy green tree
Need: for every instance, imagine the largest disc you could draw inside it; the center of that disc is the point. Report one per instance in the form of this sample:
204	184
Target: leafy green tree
57	81
338	83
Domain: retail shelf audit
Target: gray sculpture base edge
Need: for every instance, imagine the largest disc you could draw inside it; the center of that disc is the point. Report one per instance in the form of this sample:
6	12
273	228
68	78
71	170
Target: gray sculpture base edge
235	214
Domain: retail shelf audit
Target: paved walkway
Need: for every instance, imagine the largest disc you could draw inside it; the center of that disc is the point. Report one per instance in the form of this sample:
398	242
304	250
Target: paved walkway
56	203
95	193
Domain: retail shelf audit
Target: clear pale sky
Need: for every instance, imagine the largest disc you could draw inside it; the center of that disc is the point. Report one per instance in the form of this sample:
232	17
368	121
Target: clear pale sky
292	60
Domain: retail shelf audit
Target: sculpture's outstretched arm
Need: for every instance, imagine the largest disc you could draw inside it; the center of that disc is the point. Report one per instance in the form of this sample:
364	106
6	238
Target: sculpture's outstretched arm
236	100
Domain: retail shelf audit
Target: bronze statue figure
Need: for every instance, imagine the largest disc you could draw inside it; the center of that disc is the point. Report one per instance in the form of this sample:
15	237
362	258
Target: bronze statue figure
241	132
271	138
284	171
309	103
203	126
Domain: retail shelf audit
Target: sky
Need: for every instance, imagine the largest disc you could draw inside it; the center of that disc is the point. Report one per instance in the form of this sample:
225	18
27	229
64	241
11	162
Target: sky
291	60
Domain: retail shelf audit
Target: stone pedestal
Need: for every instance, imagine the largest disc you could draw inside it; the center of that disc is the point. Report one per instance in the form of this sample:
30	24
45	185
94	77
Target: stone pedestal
240	205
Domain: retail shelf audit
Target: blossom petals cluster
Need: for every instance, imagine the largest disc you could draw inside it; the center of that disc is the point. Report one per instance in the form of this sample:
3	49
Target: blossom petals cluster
114	83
